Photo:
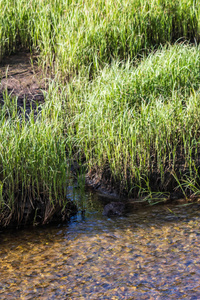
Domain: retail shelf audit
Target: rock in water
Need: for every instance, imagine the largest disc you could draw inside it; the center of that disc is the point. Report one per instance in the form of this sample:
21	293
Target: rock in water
114	209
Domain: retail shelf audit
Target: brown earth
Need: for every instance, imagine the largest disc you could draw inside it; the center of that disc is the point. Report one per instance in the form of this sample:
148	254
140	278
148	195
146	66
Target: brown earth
21	77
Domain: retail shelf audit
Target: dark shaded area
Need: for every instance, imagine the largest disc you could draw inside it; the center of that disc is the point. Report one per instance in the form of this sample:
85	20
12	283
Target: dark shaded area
37	213
114	208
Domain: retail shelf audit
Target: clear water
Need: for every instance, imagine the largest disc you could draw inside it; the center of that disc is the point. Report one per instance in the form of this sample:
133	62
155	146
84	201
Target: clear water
152	253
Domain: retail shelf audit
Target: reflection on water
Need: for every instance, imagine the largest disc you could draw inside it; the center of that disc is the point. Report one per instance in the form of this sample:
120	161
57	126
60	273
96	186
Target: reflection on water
149	254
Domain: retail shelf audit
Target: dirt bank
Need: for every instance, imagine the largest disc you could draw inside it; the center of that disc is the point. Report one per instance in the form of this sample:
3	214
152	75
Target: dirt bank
22	78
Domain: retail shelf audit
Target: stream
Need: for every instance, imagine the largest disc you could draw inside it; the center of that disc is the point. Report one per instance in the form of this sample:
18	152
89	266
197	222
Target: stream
151	253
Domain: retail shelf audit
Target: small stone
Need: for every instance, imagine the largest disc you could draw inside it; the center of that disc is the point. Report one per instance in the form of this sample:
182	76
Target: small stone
114	209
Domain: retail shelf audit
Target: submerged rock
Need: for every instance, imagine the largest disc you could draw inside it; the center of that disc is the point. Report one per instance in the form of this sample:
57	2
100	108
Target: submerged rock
114	209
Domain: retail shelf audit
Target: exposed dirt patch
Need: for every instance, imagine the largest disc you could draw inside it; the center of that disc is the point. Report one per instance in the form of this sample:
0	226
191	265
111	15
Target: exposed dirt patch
21	77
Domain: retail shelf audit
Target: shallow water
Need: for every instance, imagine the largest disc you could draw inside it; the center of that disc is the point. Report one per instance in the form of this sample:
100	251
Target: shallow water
148	254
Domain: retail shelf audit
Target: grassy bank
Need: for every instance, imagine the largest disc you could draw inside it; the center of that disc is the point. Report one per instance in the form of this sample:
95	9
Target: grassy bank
142	123
124	103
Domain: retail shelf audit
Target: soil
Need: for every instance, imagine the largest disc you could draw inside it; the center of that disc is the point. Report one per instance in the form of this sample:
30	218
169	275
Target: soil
21	77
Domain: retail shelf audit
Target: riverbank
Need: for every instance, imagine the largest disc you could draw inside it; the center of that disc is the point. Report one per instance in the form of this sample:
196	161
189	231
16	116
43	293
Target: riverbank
117	93
138	127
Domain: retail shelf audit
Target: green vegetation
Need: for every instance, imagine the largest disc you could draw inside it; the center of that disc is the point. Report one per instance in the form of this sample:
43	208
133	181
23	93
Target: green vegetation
33	160
125	100
142	121
77	33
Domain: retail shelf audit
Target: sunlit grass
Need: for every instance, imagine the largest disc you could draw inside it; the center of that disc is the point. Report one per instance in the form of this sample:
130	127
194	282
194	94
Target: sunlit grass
141	123
33	163
77	33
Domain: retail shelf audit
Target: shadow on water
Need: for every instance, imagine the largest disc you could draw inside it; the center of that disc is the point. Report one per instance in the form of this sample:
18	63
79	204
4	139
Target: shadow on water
152	253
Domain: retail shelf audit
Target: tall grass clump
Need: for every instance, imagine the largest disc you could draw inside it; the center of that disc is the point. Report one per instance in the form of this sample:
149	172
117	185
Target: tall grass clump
99	31
33	163
73	34
30	24
138	125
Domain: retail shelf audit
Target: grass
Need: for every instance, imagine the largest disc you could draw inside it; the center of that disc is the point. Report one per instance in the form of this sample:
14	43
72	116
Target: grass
141	122
125	99
33	160
77	33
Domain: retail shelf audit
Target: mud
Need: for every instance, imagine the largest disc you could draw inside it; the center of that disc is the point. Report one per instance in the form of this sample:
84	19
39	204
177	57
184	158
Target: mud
22	78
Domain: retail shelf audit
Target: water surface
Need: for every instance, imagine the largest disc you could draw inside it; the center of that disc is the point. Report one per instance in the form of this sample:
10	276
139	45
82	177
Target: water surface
148	254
